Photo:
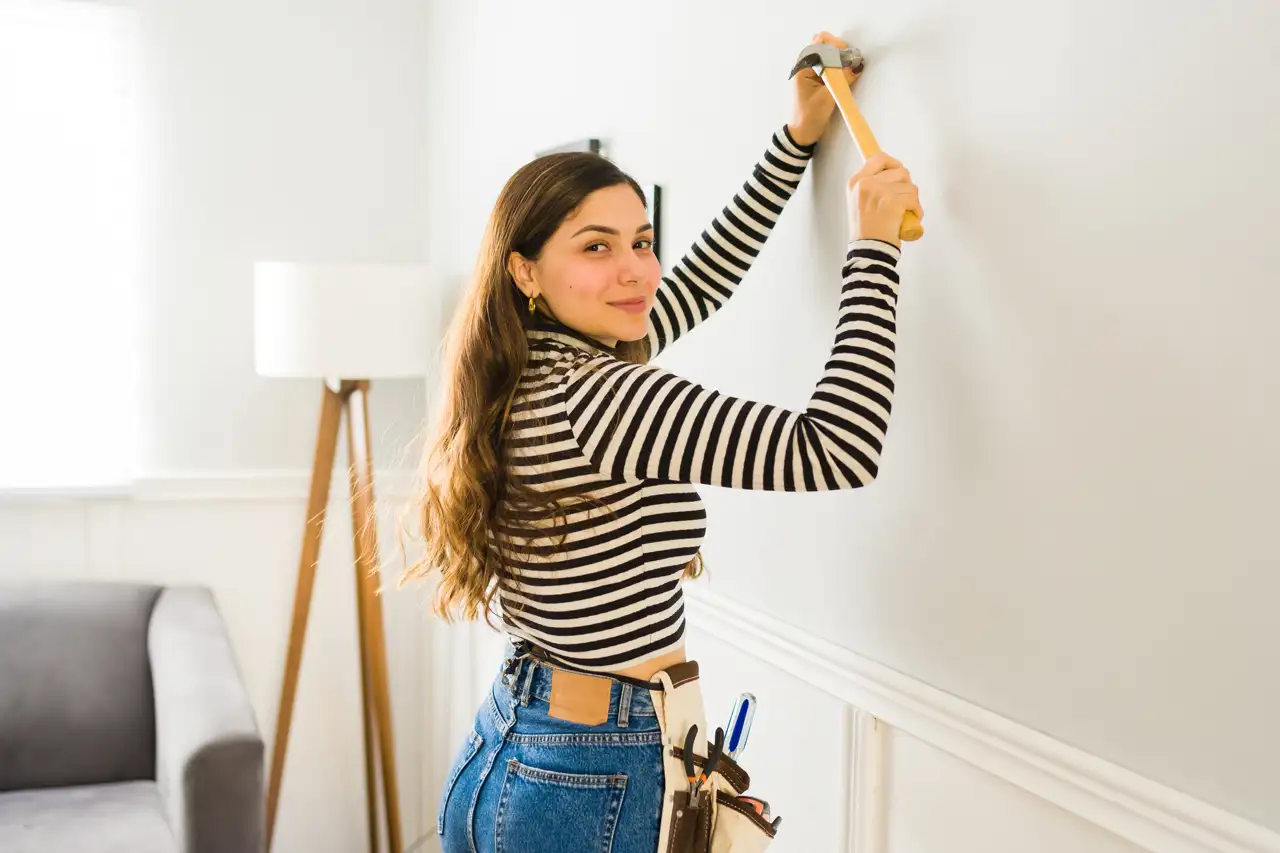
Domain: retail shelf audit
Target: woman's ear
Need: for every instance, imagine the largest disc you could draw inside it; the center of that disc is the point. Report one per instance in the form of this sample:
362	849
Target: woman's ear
521	270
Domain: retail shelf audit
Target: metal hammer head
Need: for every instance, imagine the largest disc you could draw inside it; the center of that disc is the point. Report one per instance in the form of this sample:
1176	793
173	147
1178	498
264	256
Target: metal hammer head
818	56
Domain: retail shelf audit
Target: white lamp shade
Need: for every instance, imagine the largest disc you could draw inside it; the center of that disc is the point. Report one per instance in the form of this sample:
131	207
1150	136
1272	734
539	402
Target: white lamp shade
342	321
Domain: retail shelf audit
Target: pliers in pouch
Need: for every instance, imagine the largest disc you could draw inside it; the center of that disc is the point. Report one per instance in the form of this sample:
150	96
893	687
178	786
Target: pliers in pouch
713	760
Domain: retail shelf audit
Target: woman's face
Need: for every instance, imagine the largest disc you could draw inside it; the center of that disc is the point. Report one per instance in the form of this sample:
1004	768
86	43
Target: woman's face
598	272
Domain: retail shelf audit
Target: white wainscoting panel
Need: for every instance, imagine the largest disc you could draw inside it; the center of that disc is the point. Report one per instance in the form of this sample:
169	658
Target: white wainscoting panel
936	802
1138	810
867	808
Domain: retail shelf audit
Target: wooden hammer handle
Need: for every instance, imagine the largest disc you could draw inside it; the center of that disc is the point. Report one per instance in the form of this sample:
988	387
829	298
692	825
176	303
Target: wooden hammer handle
834	78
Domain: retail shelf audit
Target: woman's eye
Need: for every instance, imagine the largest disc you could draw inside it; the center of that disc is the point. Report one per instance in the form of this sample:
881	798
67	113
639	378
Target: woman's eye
640	244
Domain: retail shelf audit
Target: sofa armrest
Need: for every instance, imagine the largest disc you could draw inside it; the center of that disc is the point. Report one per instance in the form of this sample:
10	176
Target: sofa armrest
209	752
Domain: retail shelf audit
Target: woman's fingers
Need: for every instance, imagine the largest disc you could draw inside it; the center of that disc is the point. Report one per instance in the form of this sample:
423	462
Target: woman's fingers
825	37
885	178
909	197
877	164
898	175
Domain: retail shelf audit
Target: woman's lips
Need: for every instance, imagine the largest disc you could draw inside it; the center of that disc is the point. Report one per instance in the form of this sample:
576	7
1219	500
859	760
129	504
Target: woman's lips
631	306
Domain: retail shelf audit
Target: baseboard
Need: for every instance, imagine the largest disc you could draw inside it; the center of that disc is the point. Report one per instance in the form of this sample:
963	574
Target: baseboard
1131	806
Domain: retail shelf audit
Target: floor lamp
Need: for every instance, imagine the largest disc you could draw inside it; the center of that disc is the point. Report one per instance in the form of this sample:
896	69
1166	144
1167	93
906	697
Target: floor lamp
343	325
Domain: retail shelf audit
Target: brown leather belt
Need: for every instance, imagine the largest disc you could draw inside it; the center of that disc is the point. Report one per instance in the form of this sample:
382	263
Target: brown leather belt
525	648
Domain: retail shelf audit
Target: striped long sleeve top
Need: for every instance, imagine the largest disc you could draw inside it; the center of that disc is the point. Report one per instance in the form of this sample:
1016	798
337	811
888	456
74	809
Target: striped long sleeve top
638	438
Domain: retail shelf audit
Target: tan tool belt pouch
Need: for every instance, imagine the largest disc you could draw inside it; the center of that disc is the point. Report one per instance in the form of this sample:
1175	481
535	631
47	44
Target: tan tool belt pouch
721	823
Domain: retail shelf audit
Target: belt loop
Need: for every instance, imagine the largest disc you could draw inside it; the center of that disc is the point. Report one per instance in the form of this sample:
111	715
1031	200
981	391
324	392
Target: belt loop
531	665
624	705
511	672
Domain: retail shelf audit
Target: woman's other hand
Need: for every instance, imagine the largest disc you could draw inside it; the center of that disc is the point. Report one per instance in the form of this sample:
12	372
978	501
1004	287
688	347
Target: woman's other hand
878	196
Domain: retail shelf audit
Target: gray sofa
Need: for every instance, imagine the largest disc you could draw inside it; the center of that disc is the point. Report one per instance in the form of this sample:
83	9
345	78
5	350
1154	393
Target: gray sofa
124	723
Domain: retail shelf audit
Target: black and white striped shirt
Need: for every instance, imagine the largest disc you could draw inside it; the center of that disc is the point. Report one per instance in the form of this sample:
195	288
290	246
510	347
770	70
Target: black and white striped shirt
638	438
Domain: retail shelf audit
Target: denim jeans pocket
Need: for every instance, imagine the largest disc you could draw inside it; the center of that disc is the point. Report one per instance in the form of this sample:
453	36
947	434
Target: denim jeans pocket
547	811
465	754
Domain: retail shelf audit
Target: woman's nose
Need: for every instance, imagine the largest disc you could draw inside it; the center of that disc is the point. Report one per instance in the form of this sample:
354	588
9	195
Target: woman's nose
633	266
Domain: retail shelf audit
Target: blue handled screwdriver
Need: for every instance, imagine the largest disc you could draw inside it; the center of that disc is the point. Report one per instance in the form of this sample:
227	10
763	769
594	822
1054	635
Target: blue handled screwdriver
739	725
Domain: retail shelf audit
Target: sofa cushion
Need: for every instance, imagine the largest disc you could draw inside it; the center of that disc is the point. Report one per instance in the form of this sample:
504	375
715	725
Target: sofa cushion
122	817
76	703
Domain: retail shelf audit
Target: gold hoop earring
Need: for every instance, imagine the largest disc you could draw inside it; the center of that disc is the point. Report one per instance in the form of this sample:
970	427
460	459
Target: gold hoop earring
532	305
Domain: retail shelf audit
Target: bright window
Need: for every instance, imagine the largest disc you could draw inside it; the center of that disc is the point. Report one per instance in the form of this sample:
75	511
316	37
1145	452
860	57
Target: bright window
70	232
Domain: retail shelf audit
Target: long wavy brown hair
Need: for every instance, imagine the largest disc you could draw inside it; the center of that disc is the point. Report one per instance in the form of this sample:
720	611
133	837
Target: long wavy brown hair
471	507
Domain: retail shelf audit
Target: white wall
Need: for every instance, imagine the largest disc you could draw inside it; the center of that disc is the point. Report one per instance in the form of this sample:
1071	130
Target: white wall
1071	527
277	133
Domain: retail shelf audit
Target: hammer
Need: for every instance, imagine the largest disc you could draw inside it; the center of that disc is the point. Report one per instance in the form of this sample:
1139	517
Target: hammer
830	60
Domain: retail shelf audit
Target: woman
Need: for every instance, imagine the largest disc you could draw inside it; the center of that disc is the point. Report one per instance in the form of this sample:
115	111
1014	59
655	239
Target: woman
561	477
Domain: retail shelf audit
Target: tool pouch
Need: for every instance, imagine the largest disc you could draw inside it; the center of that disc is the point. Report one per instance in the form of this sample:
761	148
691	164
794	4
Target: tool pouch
718	820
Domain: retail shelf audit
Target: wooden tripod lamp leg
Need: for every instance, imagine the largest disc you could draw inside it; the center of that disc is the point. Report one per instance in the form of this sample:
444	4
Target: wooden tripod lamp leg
364	606
321	471
373	636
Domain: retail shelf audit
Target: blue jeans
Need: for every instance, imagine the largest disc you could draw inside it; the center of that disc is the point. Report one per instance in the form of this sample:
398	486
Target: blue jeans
526	782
